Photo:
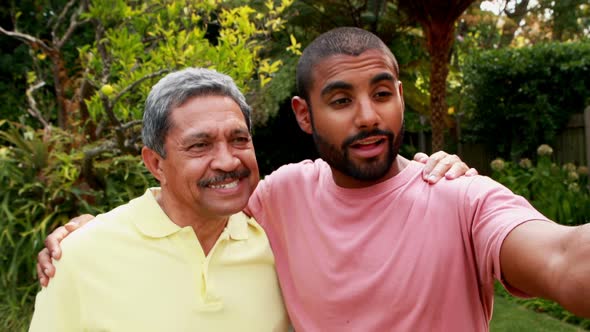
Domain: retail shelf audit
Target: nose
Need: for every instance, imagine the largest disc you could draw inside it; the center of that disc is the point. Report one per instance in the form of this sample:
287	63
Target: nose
224	159
366	116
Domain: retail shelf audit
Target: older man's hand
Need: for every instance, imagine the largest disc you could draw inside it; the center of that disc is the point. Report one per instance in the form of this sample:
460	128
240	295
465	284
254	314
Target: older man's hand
441	164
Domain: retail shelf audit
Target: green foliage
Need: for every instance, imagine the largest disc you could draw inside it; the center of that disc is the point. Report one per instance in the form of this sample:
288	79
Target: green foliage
42	189
516	99
561	193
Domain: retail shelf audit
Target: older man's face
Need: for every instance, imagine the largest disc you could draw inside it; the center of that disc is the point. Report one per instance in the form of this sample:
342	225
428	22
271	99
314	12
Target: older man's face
210	165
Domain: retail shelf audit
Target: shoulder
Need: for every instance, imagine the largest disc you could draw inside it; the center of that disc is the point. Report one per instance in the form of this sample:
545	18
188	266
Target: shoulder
305	170
476	184
483	187
104	230
303	167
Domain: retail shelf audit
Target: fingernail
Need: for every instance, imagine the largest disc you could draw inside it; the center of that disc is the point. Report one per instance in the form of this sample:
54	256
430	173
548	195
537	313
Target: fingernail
46	271
431	177
53	253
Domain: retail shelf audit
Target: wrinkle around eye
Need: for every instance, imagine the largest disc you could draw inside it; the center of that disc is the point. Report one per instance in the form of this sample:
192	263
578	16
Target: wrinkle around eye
198	147
241	141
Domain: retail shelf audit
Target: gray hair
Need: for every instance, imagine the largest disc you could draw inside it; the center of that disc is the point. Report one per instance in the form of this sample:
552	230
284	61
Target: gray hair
175	89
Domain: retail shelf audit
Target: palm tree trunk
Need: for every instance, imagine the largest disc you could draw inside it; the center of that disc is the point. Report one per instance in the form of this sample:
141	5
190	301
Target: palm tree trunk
439	47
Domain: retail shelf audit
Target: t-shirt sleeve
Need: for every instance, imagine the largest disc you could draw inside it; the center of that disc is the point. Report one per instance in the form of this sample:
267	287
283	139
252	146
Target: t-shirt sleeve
494	211
57	307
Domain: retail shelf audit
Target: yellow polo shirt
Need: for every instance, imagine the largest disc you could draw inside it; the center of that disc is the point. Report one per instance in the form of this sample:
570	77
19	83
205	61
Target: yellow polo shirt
133	269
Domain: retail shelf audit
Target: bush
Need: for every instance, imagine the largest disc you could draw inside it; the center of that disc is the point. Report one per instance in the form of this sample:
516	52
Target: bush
560	192
516	99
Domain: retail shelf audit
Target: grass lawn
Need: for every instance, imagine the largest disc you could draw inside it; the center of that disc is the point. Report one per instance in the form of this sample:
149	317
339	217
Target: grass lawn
511	317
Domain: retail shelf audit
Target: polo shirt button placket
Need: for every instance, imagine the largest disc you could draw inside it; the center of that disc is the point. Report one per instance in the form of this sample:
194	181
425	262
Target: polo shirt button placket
210	301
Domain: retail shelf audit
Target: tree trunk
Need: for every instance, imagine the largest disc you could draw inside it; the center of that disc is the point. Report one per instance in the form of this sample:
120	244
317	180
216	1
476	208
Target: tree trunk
512	23
439	47
61	82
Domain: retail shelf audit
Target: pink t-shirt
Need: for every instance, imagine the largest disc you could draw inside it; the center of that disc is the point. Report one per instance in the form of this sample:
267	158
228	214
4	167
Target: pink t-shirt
401	255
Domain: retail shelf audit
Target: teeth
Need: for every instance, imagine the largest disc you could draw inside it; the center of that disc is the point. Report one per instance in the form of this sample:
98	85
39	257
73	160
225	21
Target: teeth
225	185
368	142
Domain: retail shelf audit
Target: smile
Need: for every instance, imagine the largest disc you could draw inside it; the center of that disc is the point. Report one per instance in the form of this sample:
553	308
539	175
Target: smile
229	185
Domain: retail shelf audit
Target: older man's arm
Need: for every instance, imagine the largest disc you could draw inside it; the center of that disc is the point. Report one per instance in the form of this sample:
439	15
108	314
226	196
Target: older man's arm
549	260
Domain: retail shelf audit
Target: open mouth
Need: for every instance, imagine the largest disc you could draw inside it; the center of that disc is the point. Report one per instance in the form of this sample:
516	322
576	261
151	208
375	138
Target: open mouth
228	185
368	142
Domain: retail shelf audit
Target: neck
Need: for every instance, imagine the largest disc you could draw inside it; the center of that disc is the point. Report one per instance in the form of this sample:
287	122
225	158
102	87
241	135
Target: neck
206	228
346	181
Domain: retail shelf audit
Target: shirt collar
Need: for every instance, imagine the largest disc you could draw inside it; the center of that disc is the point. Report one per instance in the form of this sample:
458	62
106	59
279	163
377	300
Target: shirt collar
237	226
153	222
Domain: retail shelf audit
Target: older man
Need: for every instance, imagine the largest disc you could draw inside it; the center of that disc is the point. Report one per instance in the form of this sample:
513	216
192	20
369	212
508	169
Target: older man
183	257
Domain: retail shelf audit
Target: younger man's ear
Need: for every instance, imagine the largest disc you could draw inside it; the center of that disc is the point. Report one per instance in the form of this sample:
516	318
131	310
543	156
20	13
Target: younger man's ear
153	162
301	110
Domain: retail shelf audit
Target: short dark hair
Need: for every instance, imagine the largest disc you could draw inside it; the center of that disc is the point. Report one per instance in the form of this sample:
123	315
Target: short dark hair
344	40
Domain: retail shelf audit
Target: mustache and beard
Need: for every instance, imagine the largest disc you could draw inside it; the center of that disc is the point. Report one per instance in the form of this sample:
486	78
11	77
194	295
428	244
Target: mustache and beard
370	170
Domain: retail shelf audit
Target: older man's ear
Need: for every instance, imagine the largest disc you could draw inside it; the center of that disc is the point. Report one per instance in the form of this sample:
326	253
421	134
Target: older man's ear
153	162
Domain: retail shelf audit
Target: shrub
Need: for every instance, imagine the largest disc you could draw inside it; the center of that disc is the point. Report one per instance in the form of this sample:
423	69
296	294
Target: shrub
560	192
516	99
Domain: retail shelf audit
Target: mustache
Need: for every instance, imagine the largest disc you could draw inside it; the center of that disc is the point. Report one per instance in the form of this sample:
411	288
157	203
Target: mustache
365	134
237	174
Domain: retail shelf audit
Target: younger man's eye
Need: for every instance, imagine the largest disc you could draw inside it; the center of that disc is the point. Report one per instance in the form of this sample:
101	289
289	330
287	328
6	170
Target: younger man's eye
382	94
340	101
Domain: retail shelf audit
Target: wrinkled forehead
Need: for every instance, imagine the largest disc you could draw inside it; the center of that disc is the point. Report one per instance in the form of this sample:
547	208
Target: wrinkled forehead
209	111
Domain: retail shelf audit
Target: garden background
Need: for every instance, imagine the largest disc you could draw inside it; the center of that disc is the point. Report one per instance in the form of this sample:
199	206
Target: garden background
503	83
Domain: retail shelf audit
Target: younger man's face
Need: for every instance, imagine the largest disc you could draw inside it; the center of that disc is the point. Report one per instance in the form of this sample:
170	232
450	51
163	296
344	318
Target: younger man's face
357	115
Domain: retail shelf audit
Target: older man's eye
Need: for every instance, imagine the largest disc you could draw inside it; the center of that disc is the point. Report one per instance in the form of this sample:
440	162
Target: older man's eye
200	145
241	140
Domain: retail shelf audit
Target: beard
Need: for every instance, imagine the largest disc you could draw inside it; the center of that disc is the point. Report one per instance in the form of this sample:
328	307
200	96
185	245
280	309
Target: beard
371	169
